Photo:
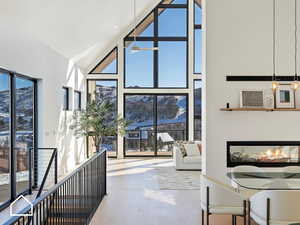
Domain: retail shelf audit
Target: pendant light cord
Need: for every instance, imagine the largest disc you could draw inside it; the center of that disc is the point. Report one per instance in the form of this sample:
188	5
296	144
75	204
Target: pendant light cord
296	42
134	15
274	39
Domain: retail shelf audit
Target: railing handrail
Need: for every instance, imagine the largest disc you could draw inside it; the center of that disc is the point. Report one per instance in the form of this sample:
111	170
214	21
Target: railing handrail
52	190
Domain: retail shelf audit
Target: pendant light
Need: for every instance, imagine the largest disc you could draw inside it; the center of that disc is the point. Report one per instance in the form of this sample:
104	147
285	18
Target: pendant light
295	84
136	48
275	84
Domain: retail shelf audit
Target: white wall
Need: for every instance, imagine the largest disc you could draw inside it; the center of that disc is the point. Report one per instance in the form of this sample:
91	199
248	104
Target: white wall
238	37
24	54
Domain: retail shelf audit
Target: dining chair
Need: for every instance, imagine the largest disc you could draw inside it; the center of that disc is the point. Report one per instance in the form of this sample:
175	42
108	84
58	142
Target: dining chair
219	198
273	207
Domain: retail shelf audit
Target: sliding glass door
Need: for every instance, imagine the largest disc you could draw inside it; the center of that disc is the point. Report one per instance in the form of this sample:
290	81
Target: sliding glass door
140	112
4	138
24	97
17	126
171	122
156	121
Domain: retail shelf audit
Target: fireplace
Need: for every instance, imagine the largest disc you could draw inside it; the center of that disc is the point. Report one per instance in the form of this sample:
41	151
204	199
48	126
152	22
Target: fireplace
263	153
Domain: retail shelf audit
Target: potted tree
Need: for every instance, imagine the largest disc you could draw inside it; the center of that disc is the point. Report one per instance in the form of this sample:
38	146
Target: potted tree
97	121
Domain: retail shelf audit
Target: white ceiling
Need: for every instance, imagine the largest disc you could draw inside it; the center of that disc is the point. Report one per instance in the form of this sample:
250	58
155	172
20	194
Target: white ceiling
82	30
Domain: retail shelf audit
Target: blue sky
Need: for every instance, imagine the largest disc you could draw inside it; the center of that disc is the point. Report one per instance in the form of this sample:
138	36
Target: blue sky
20	83
3	82
107	83
172	55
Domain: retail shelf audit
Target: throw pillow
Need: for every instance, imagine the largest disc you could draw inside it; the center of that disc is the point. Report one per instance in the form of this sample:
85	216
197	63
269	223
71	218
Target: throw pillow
199	148
192	149
182	149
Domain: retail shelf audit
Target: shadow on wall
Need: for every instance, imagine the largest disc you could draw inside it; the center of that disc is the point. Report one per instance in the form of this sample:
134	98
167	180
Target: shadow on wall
70	149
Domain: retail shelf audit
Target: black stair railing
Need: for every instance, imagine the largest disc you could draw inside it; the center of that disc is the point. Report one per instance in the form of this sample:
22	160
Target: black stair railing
73	200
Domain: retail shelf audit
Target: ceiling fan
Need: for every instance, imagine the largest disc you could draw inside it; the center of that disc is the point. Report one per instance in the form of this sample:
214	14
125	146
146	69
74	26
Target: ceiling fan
135	48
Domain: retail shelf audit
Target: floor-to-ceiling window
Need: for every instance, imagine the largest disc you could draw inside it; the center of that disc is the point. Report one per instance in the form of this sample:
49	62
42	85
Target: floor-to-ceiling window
100	91
4	137
24	98
17	134
157	77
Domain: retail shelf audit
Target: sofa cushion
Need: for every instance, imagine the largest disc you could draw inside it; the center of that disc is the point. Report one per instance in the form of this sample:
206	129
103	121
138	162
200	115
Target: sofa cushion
192	149
192	159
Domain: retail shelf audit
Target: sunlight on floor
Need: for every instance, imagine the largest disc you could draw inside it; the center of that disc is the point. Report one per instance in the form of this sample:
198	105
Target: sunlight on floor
135	197
159	196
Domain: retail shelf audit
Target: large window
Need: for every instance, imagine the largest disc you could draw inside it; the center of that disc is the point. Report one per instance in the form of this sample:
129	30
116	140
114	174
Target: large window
4	137
66	97
197	37
17	129
24	110
108	65
156	121
163	38
100	91
156	58
197	109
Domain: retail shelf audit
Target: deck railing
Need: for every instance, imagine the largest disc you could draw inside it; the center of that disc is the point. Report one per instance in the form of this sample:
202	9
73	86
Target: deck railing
73	200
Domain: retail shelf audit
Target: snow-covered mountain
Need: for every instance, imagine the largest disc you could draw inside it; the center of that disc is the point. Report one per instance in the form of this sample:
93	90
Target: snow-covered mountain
139	109
24	109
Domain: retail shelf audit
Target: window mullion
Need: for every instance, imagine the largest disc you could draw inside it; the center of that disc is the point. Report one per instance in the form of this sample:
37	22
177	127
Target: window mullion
155	53
12	136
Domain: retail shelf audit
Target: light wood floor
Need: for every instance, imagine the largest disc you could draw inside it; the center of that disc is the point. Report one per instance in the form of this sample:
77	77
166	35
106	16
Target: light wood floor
134	198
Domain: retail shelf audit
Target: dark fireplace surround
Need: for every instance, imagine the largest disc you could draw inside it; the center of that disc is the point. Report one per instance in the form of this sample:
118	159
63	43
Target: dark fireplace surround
263	153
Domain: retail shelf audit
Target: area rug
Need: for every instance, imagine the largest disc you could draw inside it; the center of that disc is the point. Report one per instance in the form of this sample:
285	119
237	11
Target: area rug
170	179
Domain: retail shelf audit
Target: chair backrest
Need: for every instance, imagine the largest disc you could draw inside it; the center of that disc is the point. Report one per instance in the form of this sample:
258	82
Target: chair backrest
284	205
220	194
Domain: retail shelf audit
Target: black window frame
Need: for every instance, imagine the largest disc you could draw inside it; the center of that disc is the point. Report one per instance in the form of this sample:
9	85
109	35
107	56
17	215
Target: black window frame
12	136
101	61
79	100
156	39
196	27
67	106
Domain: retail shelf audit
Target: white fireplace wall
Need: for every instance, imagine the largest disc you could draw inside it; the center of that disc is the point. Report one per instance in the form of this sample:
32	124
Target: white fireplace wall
238	36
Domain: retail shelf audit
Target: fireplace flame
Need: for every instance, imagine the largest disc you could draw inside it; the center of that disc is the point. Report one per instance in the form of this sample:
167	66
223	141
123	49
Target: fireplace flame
273	154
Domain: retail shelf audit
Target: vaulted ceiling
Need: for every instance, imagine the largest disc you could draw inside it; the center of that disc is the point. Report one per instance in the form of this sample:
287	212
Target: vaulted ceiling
78	29
82	30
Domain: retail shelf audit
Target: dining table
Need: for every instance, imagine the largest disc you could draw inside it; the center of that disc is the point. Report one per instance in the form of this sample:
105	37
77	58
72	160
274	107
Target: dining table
266	180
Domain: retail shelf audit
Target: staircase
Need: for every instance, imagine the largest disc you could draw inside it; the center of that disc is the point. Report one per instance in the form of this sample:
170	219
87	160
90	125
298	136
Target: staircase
72	201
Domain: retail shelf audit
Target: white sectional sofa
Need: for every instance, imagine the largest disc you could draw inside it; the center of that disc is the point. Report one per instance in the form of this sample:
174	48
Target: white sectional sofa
187	155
